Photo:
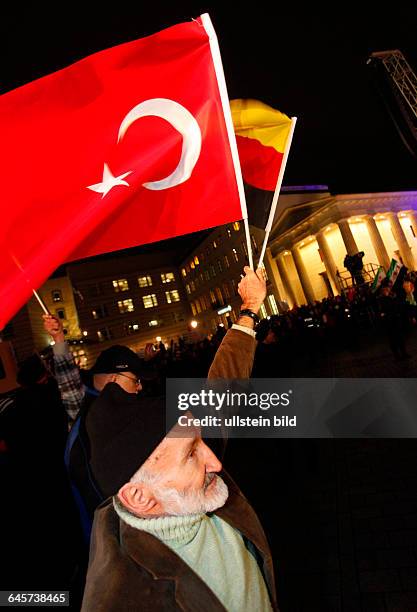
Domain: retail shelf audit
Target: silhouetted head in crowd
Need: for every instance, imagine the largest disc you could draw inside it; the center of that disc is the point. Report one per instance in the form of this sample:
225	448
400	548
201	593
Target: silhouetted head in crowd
32	371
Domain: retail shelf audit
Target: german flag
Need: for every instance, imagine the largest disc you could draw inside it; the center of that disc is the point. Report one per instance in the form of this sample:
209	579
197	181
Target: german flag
261	135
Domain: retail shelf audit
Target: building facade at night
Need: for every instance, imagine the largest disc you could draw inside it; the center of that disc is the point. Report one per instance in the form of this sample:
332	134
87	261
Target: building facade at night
26	332
312	235
129	299
211	274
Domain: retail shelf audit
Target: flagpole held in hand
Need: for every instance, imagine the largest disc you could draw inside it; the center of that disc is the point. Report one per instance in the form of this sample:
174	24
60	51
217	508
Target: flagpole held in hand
277	190
41	302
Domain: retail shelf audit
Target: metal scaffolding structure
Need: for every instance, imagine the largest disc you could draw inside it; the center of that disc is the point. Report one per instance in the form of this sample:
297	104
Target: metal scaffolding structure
401	74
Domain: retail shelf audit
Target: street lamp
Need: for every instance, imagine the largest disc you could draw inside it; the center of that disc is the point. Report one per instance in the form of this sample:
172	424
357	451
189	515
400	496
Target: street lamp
194	324
158	338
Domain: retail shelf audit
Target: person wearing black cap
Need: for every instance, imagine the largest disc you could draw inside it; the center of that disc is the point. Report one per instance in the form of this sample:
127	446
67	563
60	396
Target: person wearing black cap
174	535
117	364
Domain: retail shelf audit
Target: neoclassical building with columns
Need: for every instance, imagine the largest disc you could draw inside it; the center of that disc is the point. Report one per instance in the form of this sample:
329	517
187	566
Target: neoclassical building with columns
314	230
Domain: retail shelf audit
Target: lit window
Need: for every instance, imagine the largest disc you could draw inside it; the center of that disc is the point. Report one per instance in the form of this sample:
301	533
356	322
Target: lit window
235	255
56	295
103	334
145	281
131	328
244	249
60	313
236	226
219	295
153	323
192	285
188	288
183	272
193	309
172	296
272	304
192	265
197	306
196	261
212	271
263	312
219	265
214	243
149	301
226	261
99	312
125	306
168	277
212	297
254	243
201	278
120	285
229	233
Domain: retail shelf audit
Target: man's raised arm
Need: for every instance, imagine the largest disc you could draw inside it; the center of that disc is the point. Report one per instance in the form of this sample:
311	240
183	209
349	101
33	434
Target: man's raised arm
234	357
67	373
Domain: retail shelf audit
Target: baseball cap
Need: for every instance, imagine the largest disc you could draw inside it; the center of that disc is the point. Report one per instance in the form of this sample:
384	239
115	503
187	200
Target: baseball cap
117	358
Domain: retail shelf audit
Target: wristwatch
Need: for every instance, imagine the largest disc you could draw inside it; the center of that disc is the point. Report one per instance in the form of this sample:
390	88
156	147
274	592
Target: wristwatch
249	313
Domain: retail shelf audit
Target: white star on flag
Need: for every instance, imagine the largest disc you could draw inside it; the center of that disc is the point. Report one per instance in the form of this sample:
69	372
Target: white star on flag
109	181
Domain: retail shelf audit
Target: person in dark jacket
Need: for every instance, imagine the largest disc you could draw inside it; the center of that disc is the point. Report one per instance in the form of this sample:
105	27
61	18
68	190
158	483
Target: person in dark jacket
34	428
174	535
393	319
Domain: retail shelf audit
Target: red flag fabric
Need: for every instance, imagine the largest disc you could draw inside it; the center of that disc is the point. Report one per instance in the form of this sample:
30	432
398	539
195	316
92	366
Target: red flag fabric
127	146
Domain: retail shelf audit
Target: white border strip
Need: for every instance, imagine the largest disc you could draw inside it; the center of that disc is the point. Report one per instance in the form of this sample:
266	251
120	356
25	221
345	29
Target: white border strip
221	82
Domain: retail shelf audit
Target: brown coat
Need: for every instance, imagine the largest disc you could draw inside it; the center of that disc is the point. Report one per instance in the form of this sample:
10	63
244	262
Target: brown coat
133	570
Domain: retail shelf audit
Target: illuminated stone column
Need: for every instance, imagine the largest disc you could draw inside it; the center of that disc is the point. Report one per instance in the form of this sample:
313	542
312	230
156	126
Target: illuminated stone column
271	270
413	221
348	239
401	240
302	274
328	260
377	242
286	281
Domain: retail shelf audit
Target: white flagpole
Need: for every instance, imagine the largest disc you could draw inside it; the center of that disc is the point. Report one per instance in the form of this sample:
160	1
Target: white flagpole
218	67
41	302
277	190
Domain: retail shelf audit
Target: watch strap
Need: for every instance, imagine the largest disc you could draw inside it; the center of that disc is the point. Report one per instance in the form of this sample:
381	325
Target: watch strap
249	313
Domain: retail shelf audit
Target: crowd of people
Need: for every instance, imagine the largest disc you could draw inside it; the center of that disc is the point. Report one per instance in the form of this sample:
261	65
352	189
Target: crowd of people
311	331
59	479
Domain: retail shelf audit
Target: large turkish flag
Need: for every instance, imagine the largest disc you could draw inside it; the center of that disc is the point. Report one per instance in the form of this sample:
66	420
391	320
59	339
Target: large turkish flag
128	146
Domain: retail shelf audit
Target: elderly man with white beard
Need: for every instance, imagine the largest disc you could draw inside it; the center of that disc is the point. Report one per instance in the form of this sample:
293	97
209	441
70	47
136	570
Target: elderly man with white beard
175	535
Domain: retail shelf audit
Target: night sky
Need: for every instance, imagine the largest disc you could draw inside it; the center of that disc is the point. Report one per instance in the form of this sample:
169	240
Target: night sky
308	62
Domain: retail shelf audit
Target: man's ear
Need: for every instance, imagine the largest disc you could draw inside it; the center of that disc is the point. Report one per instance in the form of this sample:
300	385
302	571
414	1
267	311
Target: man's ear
139	499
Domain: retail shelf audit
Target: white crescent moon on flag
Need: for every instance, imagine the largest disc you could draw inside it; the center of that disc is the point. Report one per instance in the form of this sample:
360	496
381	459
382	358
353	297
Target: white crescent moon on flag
183	121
